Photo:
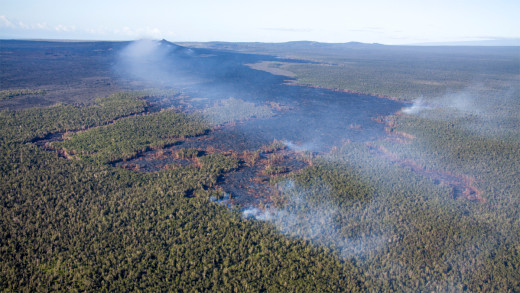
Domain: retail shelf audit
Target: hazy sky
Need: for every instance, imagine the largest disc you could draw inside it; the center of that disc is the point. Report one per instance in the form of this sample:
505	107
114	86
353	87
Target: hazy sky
387	22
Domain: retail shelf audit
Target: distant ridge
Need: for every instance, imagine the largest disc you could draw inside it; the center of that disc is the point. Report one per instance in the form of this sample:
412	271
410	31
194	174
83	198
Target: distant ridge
63	40
494	42
322	44
292	45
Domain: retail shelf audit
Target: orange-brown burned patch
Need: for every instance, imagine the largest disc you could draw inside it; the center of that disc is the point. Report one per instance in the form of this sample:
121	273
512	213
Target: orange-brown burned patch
393	135
379	119
276	145
169	167
278	107
463	185
252	181
211	150
250	158
399	137
131	166
185	105
249	185
389	121
355	126
46	144
271	161
403	134
159	154
61	152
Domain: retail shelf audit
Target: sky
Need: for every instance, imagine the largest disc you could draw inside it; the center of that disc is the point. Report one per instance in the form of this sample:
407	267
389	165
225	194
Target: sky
369	21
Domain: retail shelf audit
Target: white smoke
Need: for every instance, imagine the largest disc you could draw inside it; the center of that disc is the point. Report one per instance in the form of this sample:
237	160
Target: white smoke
147	60
418	106
142	49
478	110
315	221
251	213
310	146
456	104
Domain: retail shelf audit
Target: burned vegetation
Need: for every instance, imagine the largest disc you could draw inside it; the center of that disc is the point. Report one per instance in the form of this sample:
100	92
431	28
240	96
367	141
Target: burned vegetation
85	201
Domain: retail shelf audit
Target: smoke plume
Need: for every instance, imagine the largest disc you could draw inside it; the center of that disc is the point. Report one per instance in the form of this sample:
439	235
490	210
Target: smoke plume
319	222
476	110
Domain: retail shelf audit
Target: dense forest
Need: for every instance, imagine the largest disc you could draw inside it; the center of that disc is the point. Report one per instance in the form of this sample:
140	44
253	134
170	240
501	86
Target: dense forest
75	225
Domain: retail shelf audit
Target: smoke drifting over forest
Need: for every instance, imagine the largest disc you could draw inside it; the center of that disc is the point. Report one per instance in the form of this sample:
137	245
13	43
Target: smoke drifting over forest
462	103
318	221
473	108
318	120
282	183
400	193
316	123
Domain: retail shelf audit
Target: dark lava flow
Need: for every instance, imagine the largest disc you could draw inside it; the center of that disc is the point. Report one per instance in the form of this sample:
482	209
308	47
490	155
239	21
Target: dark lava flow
318	119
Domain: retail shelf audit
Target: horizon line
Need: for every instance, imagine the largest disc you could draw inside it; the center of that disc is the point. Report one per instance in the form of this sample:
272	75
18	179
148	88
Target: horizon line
511	42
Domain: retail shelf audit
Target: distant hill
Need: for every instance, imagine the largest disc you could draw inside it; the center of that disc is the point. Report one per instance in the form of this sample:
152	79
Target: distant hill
495	42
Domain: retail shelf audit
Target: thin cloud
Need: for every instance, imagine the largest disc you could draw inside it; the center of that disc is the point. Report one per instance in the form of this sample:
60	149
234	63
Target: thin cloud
290	30
5	22
10	26
63	28
369	30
